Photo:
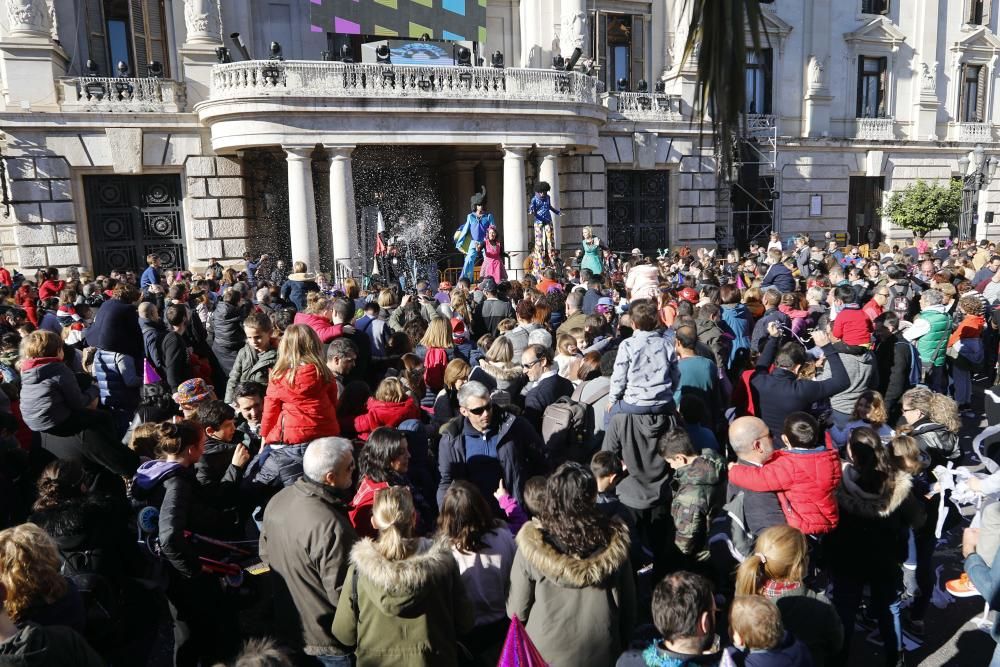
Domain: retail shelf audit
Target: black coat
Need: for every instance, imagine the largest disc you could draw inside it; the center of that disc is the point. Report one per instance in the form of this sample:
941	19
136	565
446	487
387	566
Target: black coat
759	334
786	393
542	395
780	277
116	329
227	322
153	333
176	360
894	359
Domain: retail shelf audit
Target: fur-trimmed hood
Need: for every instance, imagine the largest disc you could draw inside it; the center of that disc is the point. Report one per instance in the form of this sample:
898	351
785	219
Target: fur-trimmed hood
402	585
854	500
507	372
569	570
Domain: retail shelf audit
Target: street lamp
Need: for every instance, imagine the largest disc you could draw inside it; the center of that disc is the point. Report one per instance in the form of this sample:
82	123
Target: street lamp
983	168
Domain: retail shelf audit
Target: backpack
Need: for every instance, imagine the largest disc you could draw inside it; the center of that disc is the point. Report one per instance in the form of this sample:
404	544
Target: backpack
101	598
916	367
567	425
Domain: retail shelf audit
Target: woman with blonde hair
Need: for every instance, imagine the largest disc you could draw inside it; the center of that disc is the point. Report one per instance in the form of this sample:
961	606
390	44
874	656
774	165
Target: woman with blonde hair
777	570
301	400
498	369
456	373
933	420
869	410
390	406
403	601
317	316
36	589
438	349
752	299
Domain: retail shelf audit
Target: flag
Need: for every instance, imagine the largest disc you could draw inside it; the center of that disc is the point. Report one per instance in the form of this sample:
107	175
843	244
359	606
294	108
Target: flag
380	248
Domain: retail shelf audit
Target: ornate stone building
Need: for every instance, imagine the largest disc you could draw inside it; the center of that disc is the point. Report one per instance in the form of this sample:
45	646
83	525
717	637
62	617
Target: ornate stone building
125	133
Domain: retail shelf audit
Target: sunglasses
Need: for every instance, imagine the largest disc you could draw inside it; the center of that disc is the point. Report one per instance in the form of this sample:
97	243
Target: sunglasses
527	366
481	409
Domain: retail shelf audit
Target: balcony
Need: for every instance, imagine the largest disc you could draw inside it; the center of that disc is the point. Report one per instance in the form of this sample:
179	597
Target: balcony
874	129
975	133
121	95
761	124
645	106
335	79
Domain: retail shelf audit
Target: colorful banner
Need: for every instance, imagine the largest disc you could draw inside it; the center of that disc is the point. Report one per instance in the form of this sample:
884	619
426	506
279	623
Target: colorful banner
457	20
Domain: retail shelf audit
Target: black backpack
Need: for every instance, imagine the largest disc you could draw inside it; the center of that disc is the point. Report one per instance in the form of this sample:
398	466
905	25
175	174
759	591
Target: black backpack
567	426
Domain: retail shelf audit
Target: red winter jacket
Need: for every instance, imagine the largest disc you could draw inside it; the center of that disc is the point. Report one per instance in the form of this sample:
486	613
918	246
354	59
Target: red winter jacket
301	411
361	507
383	413
805	480
51	288
853	326
322	326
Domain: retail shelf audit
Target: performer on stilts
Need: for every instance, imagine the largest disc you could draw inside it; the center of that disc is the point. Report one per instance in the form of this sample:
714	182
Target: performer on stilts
470	236
542	208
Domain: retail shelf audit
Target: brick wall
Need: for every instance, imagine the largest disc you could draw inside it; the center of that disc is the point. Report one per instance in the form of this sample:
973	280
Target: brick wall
42	230
583	189
217	208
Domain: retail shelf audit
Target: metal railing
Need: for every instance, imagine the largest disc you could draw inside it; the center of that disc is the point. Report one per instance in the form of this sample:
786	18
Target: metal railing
351	80
874	129
121	94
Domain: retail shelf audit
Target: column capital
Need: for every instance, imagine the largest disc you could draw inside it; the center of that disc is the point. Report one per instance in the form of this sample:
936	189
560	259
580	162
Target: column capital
293	153
339	151
515	151
551	151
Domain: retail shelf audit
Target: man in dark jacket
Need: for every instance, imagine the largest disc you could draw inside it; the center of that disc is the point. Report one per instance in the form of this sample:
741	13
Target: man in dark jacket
491	312
176	360
894	357
306	540
771	300
486	445
549	386
785	392
778	276
153	331
591	297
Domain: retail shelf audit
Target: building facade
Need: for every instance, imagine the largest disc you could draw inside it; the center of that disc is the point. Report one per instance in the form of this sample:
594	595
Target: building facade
125	134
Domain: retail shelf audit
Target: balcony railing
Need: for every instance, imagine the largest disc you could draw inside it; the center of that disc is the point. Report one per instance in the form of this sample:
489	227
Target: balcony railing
974	132
122	94
761	124
649	106
334	79
875	129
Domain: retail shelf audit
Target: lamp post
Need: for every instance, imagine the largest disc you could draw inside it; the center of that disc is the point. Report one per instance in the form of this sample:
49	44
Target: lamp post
983	168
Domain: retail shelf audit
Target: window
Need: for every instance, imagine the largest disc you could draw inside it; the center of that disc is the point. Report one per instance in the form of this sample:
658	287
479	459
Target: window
871	87
971	103
128	31
620	45
758	82
874	6
974	13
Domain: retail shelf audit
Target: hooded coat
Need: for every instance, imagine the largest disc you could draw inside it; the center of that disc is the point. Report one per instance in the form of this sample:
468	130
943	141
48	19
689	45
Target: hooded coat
299	411
578	612
697	496
153	332
250	366
633	438
227	322
405	613
47	646
740	322
50	393
385	413
508	377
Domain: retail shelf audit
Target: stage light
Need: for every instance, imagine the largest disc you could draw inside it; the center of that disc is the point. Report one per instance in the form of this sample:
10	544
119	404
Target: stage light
91	68
496	60
122	68
276	51
660	87
383	55
155	69
558	62
623	85
240	45
573	59
642	86
464	56
222	55
346	53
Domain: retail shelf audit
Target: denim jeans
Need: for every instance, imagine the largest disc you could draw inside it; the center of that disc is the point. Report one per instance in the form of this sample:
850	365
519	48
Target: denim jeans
333	660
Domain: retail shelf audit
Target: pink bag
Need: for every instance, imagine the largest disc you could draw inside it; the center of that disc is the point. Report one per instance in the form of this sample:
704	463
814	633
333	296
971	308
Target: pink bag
518	651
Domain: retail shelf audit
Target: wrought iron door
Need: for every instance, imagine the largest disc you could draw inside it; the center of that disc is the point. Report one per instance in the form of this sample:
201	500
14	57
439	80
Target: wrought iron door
134	216
637	210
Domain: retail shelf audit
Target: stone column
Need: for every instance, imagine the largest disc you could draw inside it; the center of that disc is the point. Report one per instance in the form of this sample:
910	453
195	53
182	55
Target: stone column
28	18
201	19
515	208
463	183
549	172
493	175
302	206
575	27
343	217
321	190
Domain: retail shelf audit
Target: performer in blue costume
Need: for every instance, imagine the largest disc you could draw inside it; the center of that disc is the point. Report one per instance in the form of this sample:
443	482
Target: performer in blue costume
470	236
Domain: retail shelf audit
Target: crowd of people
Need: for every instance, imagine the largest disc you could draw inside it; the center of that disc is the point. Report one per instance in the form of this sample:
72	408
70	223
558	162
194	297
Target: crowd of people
680	460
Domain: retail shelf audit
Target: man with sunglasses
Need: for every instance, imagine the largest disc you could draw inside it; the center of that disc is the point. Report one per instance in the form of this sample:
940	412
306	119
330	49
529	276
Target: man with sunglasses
548	385
487	445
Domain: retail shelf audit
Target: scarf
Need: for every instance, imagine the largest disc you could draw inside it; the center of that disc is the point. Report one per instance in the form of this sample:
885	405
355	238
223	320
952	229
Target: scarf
774	588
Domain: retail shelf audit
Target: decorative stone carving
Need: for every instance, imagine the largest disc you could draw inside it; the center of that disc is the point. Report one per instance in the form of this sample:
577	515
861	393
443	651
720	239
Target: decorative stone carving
201	18
644	149
125	148
927	77
574	32
817	73
28	18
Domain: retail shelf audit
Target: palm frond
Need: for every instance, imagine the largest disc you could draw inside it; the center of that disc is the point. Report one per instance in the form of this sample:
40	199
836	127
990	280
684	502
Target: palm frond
719	27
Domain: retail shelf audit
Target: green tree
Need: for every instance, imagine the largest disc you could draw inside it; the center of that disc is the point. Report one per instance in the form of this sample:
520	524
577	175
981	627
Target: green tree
924	207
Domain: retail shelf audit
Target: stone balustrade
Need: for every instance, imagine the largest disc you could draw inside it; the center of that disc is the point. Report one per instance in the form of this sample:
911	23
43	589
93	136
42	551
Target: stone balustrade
874	129
353	80
121	94
977	133
649	106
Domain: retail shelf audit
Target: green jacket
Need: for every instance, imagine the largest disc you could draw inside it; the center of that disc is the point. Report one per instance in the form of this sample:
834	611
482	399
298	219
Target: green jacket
698	493
933	344
250	367
410	613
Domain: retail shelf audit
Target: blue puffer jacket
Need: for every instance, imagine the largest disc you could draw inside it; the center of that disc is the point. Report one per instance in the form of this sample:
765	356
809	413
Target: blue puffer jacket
119	377
740	322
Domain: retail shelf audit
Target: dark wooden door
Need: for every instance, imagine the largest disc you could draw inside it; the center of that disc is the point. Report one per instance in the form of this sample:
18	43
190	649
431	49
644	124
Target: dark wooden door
865	198
134	216
637	211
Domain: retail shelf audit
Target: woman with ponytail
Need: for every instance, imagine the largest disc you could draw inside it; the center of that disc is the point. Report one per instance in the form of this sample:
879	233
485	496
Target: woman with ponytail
877	509
403	602
776	570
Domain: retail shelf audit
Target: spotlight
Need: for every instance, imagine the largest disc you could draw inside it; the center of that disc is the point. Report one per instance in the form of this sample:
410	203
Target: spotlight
91	68
222	55
660	87
240	45
558	62
155	69
464	56
496	60
328	56
276	51
122	68
623	85
383	55
346	53
574	57
642	86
